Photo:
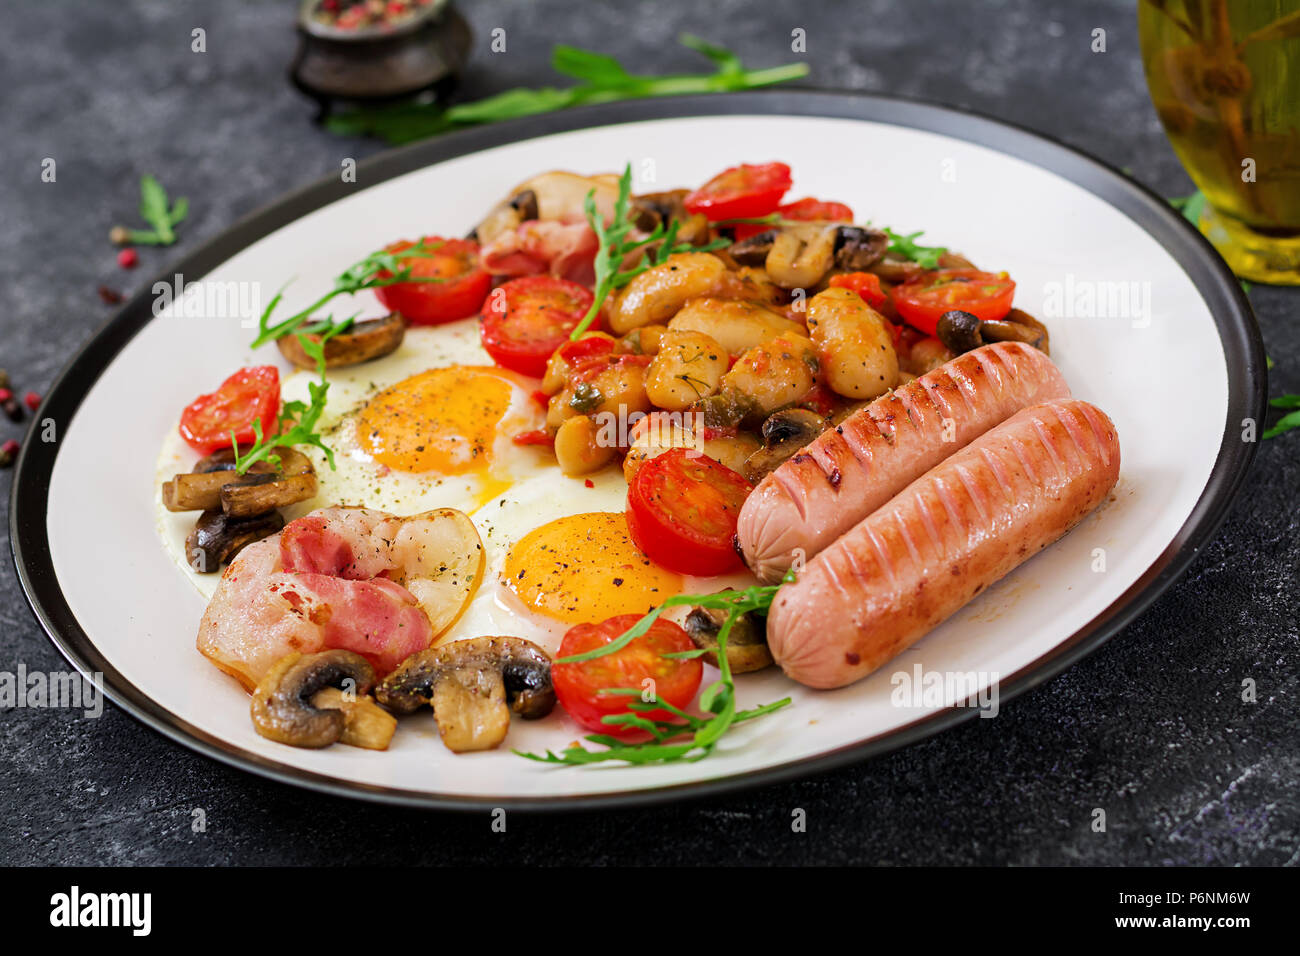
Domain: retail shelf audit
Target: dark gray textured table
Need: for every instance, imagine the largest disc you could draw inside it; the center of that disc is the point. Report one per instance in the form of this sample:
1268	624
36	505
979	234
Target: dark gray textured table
1151	728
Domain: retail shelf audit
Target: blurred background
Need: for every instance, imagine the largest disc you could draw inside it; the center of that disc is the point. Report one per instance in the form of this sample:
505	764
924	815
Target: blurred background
1150	726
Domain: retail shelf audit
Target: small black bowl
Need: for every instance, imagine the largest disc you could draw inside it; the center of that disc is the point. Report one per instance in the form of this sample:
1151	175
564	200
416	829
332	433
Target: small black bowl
418	57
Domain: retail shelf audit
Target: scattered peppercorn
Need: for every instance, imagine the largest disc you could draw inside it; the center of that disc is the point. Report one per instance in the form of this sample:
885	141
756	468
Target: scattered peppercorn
109	296
4	378
10	405
589	483
32	401
119	235
8	451
128	259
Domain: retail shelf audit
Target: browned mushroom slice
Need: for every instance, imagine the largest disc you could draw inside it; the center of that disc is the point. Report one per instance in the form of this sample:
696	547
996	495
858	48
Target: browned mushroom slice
218	537
246	499
263	487
961	331
473	686
746	642
784	433
362	342
365	723
283	709
858	248
896	269
1017	326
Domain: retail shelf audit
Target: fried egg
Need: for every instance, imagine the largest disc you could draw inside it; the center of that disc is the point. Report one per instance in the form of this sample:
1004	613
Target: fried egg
430	426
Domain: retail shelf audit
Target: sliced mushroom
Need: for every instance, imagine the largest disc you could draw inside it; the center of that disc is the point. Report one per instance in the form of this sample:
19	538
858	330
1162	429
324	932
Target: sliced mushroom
858	248
746	642
896	269
473	686
283	708
365	723
218	537
651	209
263	487
753	251
1017	326
784	433
961	331
362	342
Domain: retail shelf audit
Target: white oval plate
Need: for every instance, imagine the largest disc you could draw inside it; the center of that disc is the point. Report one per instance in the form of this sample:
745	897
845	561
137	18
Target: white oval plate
1174	358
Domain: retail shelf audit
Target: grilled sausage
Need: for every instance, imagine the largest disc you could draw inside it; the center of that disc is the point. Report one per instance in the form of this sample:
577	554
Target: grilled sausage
942	540
853	469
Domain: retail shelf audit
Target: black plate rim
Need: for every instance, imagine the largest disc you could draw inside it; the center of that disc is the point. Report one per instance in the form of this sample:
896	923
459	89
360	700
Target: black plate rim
1239	334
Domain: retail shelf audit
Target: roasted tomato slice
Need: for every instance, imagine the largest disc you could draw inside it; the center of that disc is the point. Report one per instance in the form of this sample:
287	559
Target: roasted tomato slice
527	319
681	510
578	686
986	295
741	192
460	294
250	395
815	210
865	284
801	210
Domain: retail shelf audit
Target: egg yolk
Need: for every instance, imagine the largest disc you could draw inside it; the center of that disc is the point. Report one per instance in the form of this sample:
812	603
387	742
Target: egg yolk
442	420
584	567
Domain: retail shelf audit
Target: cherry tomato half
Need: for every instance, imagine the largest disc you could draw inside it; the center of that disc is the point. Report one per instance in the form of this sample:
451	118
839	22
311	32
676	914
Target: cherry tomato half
433	303
865	284
741	192
801	210
527	319
986	295
681	510
578	686
250	395
815	210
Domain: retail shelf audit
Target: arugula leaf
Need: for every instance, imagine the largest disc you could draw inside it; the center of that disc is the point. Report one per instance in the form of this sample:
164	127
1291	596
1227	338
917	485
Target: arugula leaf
614	248
365	274
601	79
154	210
300	419
907	247
718	699
1287	422
1192	207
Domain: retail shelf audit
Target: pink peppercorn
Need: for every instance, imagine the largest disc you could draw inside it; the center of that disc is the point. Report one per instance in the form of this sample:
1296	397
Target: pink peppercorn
32	401
128	259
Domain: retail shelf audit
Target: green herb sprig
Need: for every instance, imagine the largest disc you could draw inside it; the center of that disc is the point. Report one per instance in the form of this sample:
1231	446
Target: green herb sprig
297	423
601	79
907	247
718	699
614	248
158	212
1288	421
366	274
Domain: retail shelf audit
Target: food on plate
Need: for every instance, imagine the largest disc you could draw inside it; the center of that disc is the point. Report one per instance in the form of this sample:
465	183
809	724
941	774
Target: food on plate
246	401
963	331
682	508
923	300
473	687
525	320
851	470
342	578
746	644
671	429
238	509
315	700
942	540
453	283
359	342
584	686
